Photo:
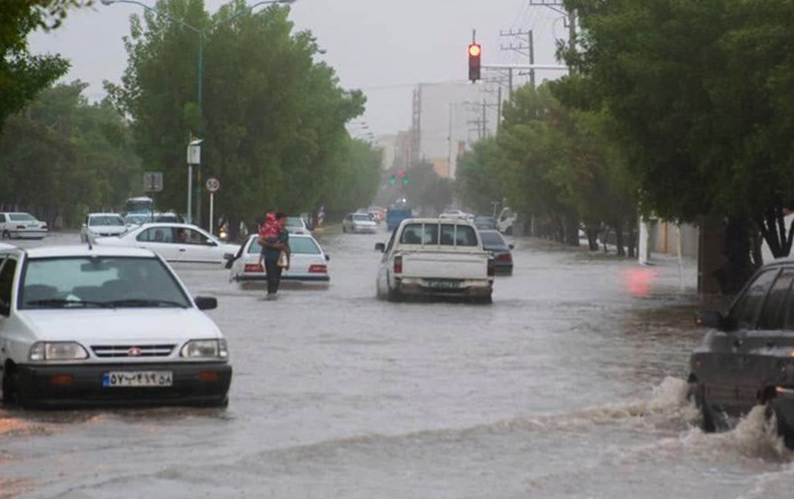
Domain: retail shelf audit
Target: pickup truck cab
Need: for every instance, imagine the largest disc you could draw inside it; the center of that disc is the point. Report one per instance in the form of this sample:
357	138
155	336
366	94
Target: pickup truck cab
435	257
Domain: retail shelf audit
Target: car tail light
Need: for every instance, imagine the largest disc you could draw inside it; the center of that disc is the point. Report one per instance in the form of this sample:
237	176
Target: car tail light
318	269
504	257
254	267
21	227
491	267
398	264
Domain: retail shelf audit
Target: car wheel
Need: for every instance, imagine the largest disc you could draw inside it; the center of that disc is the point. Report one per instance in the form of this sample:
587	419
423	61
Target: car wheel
394	295
11	392
785	431
696	393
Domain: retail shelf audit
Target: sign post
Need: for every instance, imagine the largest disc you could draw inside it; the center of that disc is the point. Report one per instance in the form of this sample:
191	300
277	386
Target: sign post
212	185
193	158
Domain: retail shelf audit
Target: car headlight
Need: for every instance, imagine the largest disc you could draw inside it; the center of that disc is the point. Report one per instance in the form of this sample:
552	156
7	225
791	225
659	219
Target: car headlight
205	349
55	351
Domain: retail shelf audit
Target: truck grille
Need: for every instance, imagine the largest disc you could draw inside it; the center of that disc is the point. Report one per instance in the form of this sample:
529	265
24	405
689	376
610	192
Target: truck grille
134	351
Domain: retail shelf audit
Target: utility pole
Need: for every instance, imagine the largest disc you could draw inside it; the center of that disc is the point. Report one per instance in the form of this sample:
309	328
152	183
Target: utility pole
526	49
557	5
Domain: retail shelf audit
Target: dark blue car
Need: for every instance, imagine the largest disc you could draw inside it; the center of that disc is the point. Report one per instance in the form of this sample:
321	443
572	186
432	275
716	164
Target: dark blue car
494	243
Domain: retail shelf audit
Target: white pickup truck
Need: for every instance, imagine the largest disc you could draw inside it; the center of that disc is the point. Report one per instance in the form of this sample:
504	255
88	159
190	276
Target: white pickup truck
435	257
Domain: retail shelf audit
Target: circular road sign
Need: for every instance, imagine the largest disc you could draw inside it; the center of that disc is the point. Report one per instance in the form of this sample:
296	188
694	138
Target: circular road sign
213	184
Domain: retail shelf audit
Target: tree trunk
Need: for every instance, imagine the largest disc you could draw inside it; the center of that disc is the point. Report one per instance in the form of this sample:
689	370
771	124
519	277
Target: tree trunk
737	266
619	240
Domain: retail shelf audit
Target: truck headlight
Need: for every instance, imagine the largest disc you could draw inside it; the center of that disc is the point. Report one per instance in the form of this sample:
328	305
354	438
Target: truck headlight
205	349
53	351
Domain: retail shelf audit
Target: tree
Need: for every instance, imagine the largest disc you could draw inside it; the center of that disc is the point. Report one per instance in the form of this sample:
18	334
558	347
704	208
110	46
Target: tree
700	94
64	157
22	75
273	119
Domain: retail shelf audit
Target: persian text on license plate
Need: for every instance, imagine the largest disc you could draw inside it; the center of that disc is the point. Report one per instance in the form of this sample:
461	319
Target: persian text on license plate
137	378
444	284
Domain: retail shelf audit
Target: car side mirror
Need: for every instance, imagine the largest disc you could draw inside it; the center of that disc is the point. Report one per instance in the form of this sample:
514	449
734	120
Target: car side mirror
710	319
380	247
206	302
327	257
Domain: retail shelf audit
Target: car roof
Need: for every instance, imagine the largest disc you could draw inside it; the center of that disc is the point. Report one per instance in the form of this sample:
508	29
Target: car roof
458	221
85	250
104	214
178	225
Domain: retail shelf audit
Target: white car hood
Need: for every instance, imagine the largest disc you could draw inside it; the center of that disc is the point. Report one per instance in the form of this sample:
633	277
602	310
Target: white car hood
121	325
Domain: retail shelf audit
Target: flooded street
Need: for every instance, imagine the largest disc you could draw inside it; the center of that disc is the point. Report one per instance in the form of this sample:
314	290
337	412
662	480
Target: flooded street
571	385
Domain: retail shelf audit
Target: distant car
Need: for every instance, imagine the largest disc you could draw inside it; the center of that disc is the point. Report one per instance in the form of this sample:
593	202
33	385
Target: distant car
359	223
456	215
21	225
97	325
297	225
308	262
183	243
102	225
746	359
132	219
505	221
485	222
494	243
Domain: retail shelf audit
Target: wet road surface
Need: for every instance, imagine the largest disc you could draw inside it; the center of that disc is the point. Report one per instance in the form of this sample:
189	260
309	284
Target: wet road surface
571	385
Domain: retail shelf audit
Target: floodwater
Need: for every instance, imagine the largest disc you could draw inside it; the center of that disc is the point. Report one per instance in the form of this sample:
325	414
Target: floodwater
571	385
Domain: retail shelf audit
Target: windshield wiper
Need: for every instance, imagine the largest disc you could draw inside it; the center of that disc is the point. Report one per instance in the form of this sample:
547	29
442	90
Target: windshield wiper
143	302
61	303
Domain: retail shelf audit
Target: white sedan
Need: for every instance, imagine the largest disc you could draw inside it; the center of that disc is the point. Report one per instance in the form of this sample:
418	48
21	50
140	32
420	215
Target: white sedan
21	225
102	225
359	223
307	264
175	242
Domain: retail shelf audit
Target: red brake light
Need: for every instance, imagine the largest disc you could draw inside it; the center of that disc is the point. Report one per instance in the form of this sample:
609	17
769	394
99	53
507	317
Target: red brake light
318	269
254	267
504	257
398	264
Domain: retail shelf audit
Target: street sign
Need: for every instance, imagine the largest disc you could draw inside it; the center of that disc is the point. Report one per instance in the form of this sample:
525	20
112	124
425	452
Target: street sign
152	181
213	184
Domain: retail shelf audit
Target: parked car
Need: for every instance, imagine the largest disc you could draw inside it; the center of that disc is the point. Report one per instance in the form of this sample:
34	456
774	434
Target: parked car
307	264
454	214
102	225
175	242
495	244
747	357
21	225
359	223
297	225
428	257
84	325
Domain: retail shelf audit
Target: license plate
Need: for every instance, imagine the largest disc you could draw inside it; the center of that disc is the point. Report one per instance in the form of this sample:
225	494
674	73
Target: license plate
444	284
137	378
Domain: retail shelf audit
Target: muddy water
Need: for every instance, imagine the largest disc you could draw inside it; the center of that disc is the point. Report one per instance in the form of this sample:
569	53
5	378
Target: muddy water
571	385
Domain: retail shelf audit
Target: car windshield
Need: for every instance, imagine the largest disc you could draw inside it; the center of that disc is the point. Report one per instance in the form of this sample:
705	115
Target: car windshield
361	217
297	245
450	234
105	220
99	282
492	239
21	217
137	219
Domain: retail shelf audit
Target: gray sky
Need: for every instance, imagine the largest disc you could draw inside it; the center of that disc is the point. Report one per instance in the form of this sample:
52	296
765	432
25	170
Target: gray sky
383	47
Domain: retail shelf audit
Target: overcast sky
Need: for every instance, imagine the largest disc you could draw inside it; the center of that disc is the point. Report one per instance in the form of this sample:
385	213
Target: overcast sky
383	47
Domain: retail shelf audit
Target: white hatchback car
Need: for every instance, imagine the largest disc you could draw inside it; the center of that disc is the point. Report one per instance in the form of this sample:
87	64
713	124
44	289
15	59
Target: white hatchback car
359	223
175	242
19	224
307	264
102	325
102	225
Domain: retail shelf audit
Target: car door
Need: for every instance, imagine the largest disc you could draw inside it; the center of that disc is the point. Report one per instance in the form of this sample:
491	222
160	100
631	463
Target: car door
7	271
193	245
385	263
733	383
159	239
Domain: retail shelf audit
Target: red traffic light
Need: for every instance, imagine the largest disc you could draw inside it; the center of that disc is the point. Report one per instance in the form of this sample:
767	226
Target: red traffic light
475	52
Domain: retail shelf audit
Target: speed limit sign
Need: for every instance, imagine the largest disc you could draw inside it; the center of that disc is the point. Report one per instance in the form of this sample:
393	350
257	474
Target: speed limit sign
213	184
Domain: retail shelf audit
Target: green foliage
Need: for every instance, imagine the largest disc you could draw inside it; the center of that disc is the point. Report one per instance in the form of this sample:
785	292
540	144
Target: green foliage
700	94
64	156
425	188
272	118
22	75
